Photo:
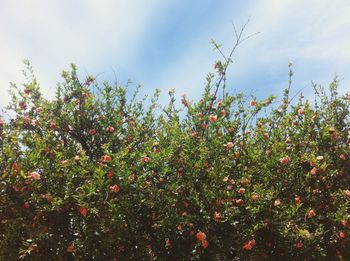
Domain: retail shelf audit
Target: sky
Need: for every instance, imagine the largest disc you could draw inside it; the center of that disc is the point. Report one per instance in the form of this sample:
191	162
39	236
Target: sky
166	44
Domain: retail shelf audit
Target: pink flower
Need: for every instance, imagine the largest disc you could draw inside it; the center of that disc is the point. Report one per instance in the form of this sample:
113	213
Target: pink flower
110	129
347	193
344	223
145	159
239	202
204	243
285	160
229	145
217	216
22	105
297	200
92	132
38	110
53	125
64	162
277	202
299	244
311	213
342	234
213	118
255	197
184	102
167	243
313	171
34	175
36	122
241	190
301	111
114	188
25	205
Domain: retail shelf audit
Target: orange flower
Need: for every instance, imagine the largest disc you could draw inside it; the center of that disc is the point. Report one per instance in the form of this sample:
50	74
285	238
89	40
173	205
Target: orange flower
247	246
106	158
145	159
297	200
110	175
313	171
285	160
70	248
83	211
16	167
213	118
201	236
252	103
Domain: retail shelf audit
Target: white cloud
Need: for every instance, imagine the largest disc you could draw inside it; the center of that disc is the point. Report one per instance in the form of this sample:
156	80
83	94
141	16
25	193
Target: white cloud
56	33
96	34
312	34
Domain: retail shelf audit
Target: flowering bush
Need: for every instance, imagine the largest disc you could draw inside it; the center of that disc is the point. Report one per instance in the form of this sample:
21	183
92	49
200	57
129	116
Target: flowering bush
96	175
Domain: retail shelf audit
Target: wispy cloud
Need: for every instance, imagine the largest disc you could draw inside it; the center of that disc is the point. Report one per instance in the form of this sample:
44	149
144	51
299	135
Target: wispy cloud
52	35
311	34
166	44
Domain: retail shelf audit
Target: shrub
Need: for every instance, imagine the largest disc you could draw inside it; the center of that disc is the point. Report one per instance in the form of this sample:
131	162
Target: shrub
94	174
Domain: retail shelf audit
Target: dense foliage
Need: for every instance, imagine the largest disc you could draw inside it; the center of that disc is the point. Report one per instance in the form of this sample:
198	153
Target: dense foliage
94	174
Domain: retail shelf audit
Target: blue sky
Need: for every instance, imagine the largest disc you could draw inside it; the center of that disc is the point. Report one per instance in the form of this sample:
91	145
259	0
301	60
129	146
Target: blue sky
166	44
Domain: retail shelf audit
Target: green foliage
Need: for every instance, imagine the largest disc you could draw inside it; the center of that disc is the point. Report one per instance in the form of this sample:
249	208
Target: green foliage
93	175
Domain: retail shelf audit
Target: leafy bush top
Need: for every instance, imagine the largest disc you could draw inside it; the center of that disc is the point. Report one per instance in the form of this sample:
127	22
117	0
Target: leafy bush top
93	175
